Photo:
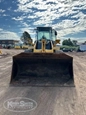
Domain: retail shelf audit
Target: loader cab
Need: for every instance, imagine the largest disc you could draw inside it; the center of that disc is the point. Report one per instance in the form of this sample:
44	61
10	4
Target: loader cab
54	35
46	37
46	33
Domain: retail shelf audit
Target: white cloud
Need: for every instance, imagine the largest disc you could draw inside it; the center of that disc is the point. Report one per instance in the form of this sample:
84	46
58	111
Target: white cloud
9	8
25	24
70	9
29	30
9	35
1	29
79	15
22	1
4	15
32	17
70	27
18	18
1	10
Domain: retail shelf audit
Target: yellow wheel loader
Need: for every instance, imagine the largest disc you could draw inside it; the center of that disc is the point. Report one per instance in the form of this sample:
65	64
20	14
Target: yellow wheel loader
43	63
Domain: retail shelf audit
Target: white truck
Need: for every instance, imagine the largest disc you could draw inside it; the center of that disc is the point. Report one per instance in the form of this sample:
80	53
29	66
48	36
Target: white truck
82	47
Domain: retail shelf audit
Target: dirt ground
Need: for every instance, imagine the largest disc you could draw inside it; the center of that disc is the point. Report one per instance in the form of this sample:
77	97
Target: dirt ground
50	100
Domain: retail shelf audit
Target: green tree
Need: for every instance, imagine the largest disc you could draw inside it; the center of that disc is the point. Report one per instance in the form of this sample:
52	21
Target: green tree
67	42
74	42
26	38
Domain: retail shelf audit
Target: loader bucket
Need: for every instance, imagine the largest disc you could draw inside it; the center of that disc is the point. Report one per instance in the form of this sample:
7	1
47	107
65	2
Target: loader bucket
42	69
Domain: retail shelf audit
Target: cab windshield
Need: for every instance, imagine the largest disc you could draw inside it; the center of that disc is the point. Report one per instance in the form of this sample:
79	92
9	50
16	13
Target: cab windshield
44	34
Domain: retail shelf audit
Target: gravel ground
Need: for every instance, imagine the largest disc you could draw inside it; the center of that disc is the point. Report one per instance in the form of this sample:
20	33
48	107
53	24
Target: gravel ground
50	100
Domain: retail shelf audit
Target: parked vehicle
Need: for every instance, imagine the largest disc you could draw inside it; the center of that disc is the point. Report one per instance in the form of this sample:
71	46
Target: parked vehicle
82	48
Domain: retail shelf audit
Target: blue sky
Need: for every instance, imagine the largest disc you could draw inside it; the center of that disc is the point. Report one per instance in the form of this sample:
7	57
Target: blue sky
68	17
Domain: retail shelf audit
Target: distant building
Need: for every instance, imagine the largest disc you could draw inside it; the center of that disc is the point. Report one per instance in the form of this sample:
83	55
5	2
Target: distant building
6	43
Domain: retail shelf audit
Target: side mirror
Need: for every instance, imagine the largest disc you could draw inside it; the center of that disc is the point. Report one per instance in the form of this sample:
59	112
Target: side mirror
55	33
57	41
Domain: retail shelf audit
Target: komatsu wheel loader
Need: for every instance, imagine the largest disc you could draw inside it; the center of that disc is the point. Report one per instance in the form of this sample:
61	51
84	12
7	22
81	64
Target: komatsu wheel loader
43	62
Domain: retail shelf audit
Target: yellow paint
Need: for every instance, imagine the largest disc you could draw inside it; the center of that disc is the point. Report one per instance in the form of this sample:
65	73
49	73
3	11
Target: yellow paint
17	47
0	52
57	41
43	49
25	46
